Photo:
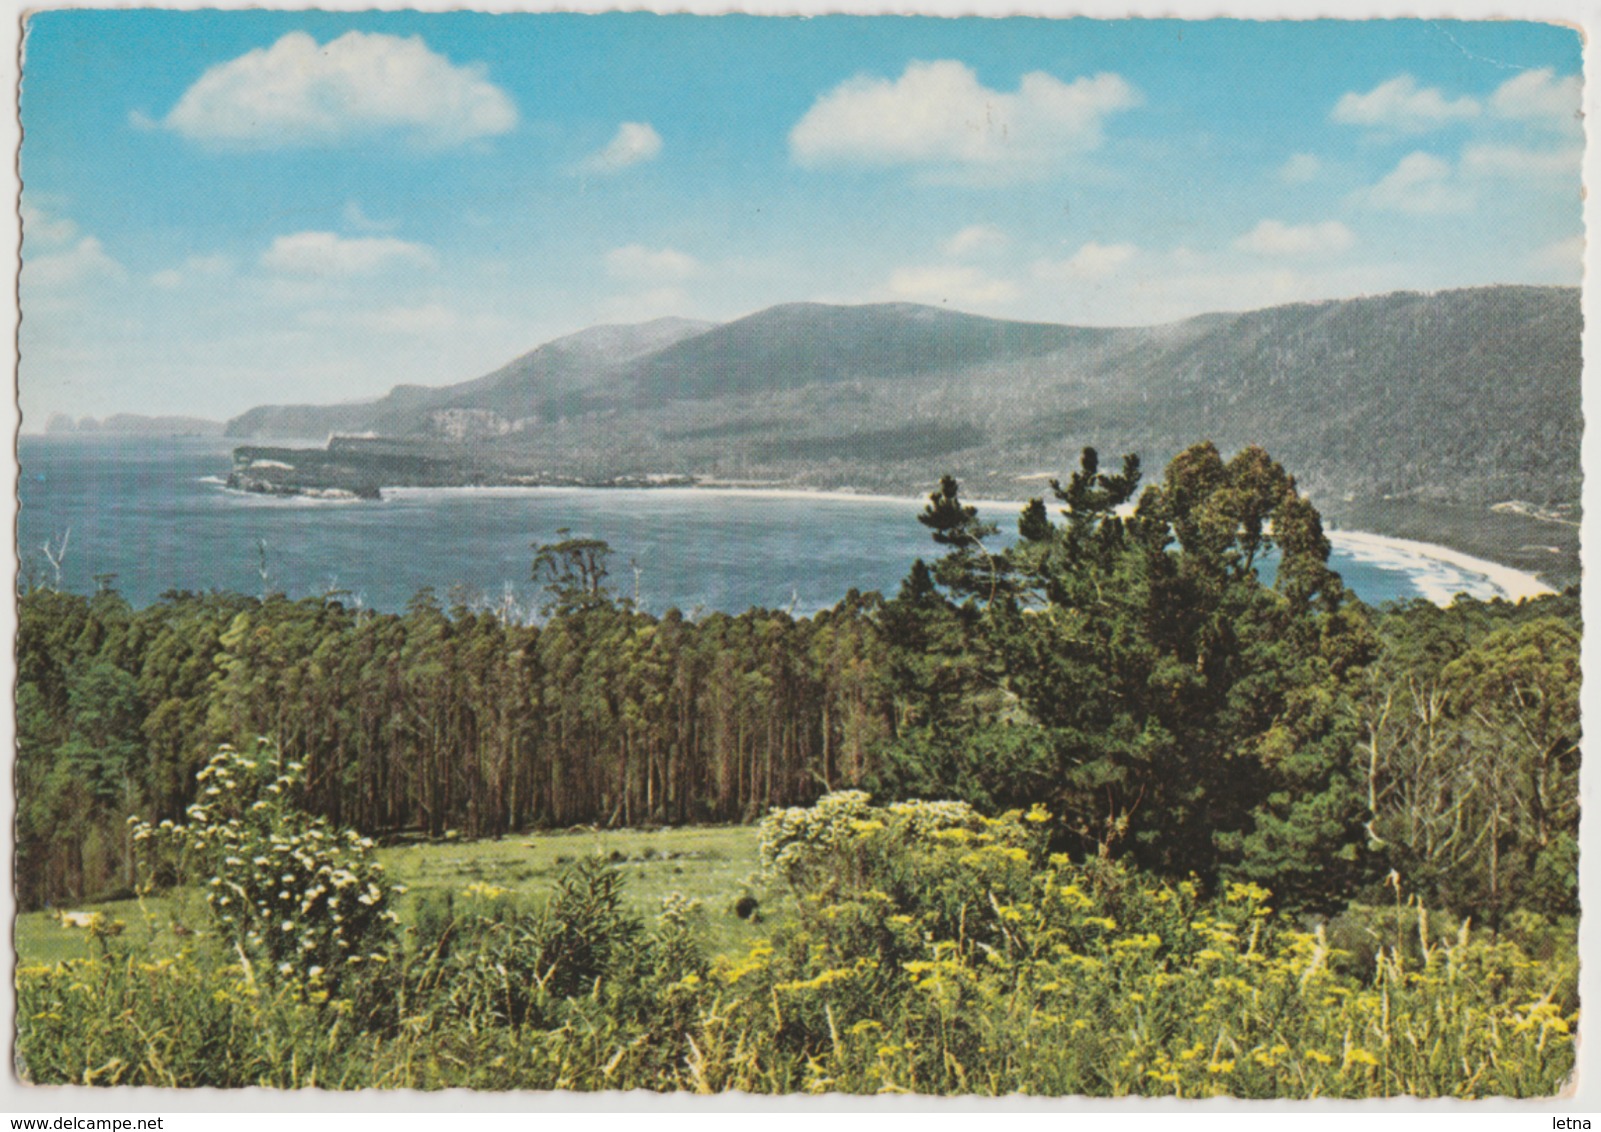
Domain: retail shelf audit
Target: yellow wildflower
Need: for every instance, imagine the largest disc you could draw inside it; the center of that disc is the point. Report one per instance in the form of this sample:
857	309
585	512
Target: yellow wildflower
1076	898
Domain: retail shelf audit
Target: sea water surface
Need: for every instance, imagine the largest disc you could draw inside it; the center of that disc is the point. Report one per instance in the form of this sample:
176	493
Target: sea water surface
154	513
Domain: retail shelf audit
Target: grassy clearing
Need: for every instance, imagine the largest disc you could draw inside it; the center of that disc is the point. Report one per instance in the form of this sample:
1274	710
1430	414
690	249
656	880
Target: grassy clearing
714	865
161	923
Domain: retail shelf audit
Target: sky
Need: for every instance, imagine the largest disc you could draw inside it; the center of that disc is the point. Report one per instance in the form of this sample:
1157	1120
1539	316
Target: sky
230	208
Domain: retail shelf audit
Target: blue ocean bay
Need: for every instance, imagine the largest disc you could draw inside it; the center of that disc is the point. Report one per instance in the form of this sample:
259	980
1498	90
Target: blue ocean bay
153	512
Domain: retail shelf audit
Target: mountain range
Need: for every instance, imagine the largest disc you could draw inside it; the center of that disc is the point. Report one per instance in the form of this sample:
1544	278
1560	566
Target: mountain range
1453	400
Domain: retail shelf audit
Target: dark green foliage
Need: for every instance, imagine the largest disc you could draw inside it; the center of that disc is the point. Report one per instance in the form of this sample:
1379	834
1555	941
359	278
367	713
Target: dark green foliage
105	746
1470	733
1130	670
573	572
583	931
483	961
990	766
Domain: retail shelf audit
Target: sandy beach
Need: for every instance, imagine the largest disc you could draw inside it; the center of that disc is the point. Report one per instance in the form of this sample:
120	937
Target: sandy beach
1514	585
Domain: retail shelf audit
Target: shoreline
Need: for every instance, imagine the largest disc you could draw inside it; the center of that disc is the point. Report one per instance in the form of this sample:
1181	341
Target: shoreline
825	494
829	495
1513	584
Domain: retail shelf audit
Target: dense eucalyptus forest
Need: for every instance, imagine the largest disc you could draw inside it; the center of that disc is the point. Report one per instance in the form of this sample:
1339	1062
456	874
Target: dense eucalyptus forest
1121	663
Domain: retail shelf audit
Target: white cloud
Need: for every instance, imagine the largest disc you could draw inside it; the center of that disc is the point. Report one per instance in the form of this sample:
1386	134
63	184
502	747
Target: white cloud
1403	106
957	285
1539	96
1421	184
1217	287
1273	238
1564	259
938	114
633	143
328	256
355	217
1519	162
977	239
1125	285
1186	257
1300	169
1092	261
41	227
637	262
193	270
642	306
84	262
429	318
298	93
1155	287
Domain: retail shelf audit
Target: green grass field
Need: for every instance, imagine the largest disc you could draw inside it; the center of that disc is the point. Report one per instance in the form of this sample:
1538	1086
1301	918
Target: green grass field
715	865
40	937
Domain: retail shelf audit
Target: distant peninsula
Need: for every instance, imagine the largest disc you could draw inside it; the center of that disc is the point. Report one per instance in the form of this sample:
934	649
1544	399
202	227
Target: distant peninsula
134	424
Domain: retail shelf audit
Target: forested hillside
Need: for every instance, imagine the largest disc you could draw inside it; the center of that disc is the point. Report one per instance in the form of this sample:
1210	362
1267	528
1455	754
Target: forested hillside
428	721
1466	397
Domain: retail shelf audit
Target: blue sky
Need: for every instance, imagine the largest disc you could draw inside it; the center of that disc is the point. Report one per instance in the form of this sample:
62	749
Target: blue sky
224	209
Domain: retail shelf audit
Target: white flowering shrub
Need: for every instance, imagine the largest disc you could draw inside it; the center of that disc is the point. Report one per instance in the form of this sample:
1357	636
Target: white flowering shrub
920	819
290	891
791	839
844	837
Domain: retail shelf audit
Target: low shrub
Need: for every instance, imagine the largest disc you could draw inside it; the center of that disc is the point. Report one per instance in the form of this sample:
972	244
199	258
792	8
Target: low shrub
920	948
